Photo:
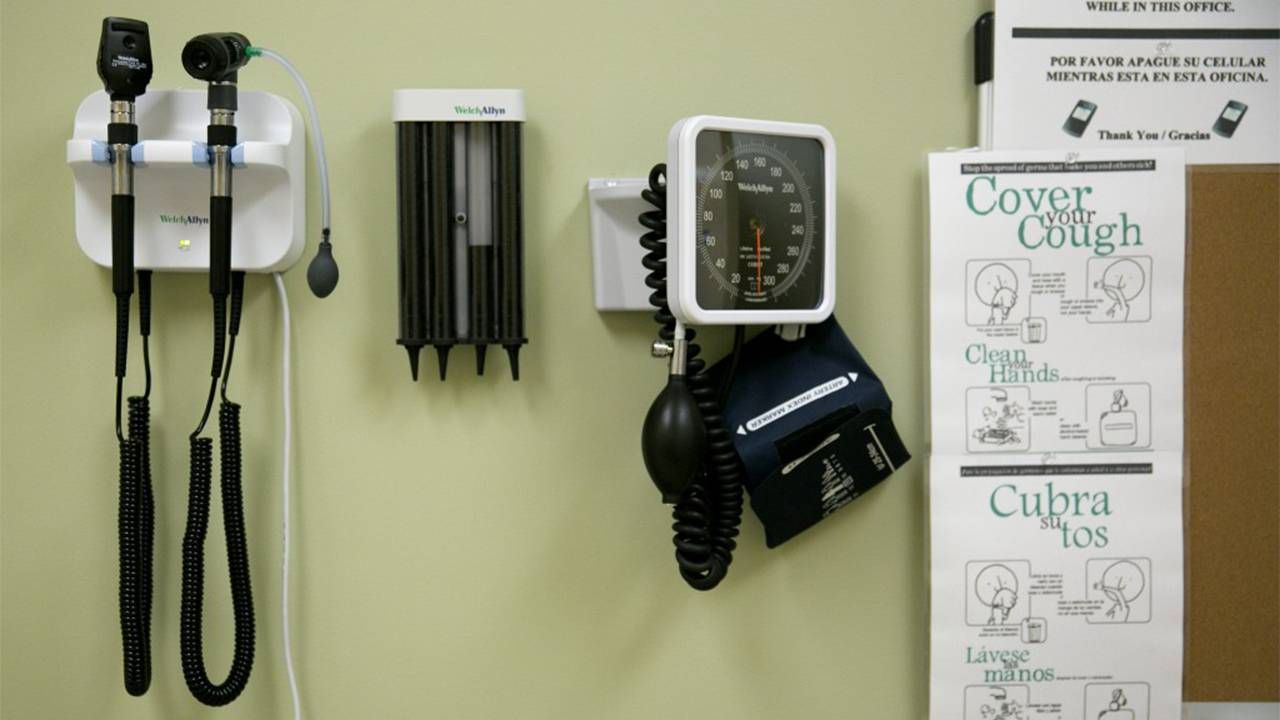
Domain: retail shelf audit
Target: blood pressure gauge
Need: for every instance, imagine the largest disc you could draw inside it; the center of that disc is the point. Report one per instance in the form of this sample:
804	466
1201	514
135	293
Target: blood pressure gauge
751	209
742	232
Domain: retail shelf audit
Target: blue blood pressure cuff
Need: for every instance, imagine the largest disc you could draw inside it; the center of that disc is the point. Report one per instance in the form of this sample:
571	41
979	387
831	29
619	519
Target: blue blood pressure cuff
812	423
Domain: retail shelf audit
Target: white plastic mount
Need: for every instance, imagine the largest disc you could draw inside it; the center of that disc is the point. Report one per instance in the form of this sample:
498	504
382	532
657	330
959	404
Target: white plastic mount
616	255
171	182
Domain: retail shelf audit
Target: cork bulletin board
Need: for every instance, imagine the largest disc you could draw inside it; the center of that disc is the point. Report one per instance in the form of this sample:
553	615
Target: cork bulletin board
1233	435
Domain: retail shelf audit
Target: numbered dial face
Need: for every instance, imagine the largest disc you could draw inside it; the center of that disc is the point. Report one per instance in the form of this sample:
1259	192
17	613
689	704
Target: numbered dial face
759	222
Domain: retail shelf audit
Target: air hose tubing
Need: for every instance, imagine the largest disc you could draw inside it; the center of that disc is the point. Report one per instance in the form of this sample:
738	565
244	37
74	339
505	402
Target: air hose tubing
708	514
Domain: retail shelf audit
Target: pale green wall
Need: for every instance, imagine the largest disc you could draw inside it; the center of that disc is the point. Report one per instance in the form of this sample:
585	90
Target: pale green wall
478	549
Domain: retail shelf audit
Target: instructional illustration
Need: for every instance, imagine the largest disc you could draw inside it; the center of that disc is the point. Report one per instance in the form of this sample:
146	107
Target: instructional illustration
996	702
995	592
1056	418
1120	588
998	419
1119	425
1123	287
1117	701
1034	630
1034	330
1119	415
999	292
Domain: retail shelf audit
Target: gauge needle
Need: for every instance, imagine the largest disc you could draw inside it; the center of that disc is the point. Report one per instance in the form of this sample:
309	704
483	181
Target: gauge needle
759	265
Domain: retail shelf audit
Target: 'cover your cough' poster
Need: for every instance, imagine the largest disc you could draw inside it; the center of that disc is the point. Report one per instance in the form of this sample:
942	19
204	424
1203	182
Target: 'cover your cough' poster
1056	475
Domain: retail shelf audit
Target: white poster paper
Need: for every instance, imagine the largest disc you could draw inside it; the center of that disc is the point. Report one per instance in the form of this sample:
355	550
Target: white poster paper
1109	73
1056	312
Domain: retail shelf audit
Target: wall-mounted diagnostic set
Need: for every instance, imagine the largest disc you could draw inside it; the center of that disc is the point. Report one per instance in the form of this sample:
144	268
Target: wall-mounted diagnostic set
461	249
750	206
185	221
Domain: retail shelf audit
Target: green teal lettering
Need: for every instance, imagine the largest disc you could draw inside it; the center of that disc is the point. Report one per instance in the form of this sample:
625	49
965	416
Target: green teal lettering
968	194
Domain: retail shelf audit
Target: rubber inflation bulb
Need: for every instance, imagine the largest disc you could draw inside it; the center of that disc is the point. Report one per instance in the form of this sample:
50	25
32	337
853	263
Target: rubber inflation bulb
322	273
674	439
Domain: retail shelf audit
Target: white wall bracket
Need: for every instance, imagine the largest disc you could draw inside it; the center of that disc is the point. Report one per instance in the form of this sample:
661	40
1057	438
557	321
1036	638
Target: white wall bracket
615	207
171	182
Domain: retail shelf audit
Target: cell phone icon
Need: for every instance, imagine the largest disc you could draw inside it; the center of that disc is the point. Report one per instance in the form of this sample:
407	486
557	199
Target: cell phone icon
1079	118
1229	120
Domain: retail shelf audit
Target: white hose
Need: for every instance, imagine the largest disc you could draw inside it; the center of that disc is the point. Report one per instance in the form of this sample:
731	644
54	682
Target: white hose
317	149
286	398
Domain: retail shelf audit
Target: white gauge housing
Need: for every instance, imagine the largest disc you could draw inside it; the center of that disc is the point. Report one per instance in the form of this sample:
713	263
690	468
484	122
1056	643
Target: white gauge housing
682	206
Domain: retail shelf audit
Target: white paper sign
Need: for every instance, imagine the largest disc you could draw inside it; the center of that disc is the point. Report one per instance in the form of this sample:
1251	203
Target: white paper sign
1110	73
1056	316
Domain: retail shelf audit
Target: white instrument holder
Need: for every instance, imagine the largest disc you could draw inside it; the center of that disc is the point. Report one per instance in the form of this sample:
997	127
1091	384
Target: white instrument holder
171	182
616	255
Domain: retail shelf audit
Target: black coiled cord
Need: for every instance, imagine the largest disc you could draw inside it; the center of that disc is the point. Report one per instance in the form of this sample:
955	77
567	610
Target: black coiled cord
709	512
192	615
135	521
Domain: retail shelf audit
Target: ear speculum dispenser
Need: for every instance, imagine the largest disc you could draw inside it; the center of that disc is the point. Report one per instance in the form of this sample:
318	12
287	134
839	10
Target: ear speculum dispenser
461	226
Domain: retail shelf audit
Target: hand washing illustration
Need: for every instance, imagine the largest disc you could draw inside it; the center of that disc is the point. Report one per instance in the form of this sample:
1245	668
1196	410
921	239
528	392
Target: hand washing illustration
1003	421
996	702
1116	708
1118	425
1119	416
1002	708
1117	701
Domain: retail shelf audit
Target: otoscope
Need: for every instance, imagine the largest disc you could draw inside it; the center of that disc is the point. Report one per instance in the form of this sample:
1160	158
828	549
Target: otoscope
124	65
216	58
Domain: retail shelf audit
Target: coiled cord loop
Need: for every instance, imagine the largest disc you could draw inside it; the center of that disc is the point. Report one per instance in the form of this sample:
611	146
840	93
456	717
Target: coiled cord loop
191	621
192	614
135	519
709	513
135	596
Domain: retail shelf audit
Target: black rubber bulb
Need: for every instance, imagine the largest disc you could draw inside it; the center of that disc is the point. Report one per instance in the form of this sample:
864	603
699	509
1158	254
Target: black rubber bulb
674	439
322	273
